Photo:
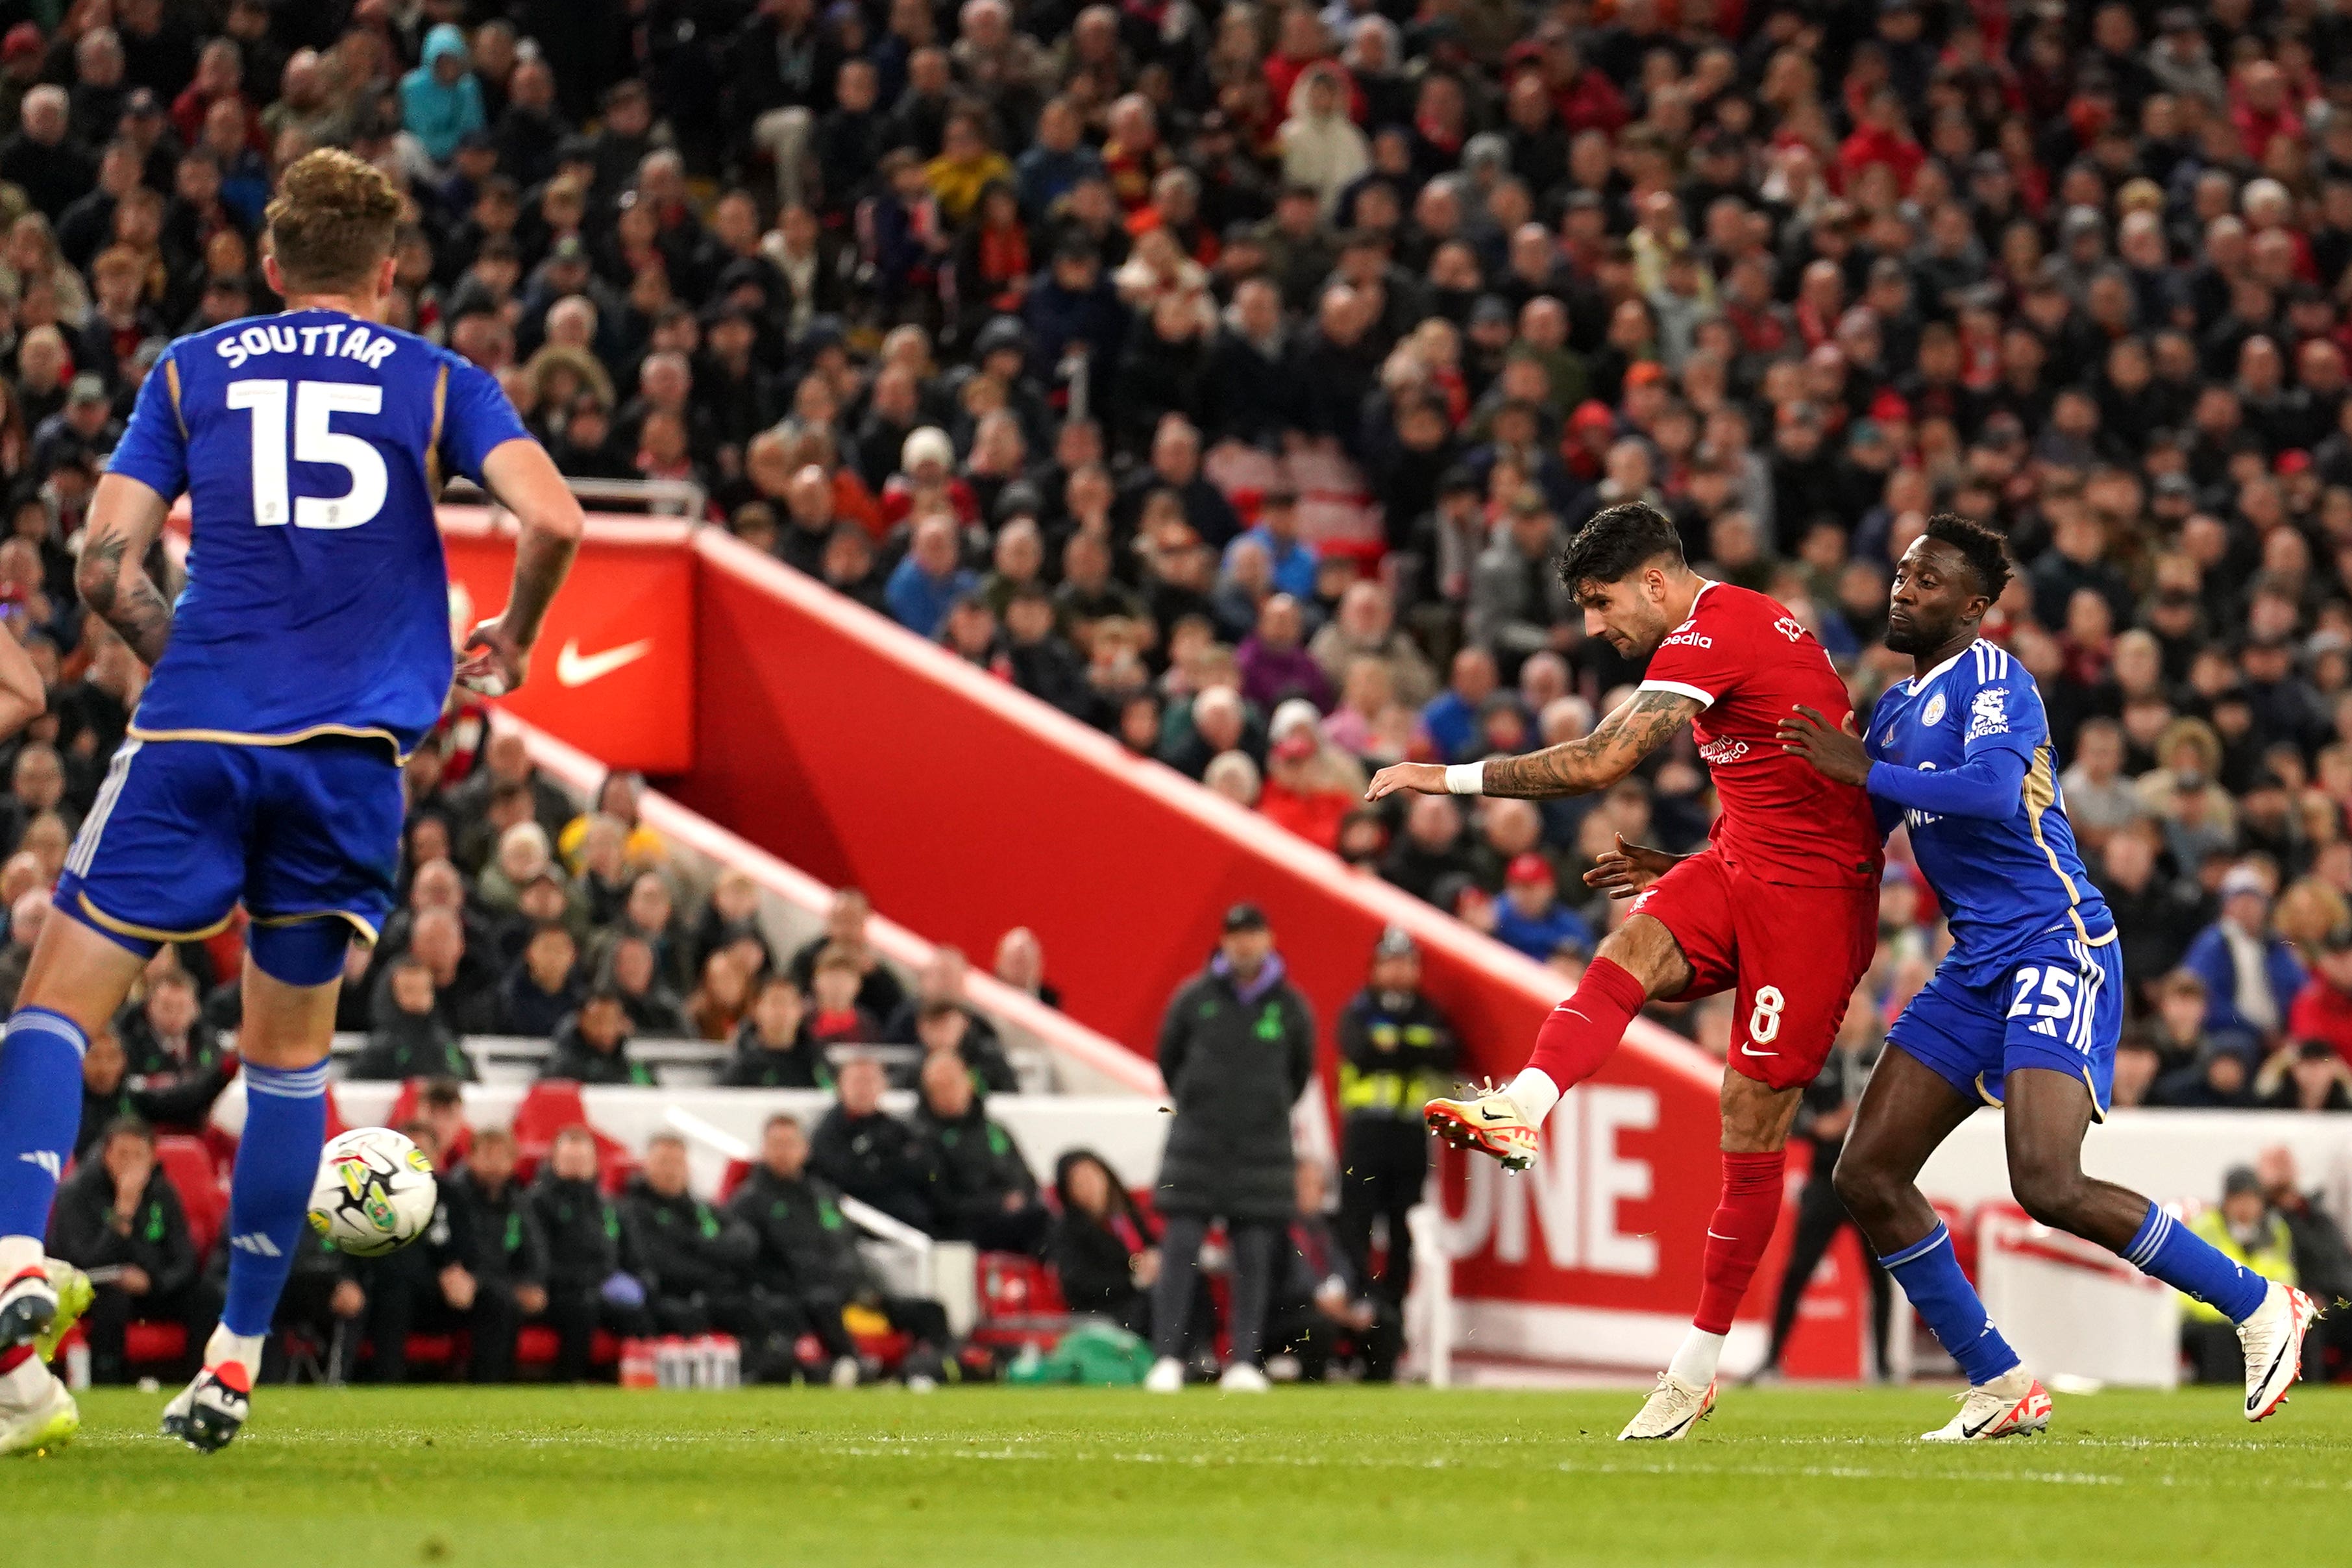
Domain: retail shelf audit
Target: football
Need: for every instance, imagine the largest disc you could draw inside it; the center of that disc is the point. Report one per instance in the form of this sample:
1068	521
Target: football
375	1192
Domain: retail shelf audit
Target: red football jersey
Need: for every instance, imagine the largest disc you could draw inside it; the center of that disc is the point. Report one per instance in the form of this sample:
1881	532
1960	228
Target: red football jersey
1751	662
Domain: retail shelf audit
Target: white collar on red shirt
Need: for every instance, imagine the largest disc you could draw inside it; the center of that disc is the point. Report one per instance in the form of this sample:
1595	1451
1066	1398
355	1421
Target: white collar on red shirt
1704	585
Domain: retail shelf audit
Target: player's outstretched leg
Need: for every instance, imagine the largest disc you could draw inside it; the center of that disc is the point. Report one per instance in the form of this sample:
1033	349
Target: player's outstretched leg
1756	1122
277	1164
1905	1113
2048	1113
77	978
40	1110
1638	961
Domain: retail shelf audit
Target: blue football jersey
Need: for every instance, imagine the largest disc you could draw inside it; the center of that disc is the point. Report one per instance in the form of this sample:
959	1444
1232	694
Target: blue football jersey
2003	883
311	446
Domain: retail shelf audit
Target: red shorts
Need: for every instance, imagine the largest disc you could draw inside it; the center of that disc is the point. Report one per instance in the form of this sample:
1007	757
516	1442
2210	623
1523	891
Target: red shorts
1794	954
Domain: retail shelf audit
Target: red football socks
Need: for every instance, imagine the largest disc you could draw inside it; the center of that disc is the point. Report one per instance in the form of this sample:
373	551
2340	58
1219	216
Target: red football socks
1583	1031
1738	1233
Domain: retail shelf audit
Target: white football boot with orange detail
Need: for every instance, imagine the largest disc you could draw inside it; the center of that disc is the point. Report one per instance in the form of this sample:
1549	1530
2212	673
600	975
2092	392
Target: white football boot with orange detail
1491	1123
1985	1416
2273	1339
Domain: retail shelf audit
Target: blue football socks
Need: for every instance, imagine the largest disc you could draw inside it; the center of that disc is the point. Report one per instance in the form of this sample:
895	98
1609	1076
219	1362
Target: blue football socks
276	1164
40	1111
2168	1250
1930	1276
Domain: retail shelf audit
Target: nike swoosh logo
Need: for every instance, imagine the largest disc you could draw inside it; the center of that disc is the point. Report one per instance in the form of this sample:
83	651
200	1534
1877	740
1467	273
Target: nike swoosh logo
574	668
1748	1051
1489	1117
1720	1236
2253	1400
1972	1431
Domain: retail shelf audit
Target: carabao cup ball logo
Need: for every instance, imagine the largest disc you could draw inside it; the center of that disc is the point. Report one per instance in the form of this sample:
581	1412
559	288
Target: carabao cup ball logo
367	1193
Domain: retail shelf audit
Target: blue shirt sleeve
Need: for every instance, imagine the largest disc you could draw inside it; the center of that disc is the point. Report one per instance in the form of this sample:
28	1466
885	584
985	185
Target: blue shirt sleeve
1990	785
477	419
154	449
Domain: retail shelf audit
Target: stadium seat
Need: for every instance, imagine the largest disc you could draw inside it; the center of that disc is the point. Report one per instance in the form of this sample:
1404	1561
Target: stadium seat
188	1165
547	1108
403	1110
732	1178
1020	1303
537	1345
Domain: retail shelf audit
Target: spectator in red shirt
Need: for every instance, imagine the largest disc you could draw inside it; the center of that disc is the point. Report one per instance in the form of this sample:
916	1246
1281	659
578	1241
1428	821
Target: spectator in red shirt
834	1015
1883	136
2322	1009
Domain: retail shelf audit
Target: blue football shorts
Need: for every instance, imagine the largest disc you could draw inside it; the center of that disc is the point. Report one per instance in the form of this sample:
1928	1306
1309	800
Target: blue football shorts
306	836
2061	1006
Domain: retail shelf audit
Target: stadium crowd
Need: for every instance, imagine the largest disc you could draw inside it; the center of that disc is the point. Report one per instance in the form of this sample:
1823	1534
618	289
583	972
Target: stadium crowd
1226	380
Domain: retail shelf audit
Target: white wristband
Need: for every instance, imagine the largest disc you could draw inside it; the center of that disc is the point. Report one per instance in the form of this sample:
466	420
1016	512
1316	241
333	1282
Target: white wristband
1467	778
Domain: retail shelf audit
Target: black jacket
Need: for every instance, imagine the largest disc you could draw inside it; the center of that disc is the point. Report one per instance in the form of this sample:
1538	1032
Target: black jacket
573	1058
448	1238
803	1245
172	1088
412	1045
802	1064
1090	1256
583	1231
509	1246
158	1239
1233	1067
684	1246
991	1070
975	1165
876	1160
524	1009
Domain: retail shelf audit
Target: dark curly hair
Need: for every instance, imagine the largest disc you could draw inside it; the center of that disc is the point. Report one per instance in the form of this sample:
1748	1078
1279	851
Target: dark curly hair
1986	552
1619	541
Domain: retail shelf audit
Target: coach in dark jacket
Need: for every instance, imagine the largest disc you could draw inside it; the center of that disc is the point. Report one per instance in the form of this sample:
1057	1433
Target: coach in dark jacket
588	1283
694	1260
981	1188
871	1155
1236	1049
807	1256
120	1211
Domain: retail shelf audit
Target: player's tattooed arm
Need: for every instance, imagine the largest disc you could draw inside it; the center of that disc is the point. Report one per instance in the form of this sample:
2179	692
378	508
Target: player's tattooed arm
124	518
1633	730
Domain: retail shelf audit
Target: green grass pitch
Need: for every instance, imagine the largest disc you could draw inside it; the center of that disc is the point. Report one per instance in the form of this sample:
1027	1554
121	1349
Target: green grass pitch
871	1478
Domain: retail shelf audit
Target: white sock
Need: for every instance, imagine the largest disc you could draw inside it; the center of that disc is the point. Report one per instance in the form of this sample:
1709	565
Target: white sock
1694	1362
2014	1384
18	1253
244	1349
1534	1093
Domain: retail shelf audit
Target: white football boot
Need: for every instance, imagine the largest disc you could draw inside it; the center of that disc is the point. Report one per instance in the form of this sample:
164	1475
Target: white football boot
2272	1338
1673	1408
1985	1414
